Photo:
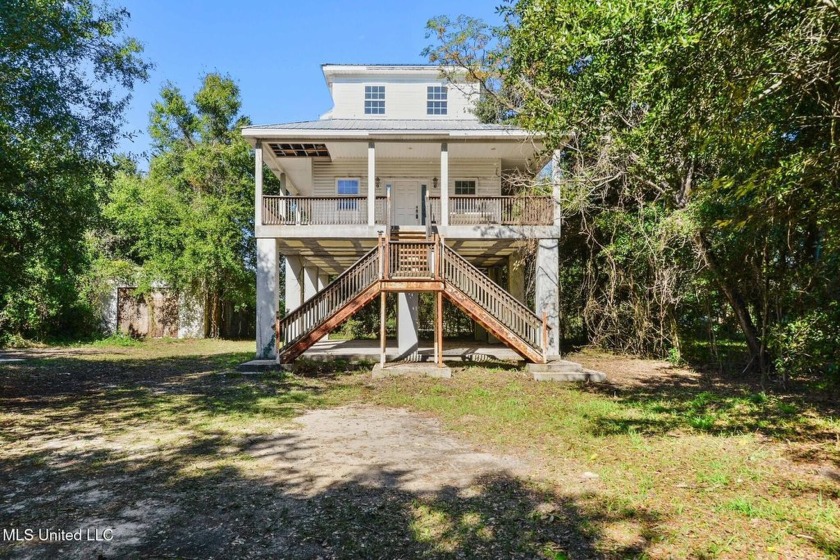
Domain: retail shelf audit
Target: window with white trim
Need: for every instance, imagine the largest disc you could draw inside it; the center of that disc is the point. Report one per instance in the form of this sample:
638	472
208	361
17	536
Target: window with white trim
436	100
374	100
465	187
347	186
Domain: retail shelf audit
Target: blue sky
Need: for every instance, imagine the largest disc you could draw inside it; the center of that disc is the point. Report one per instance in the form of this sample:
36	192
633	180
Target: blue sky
274	50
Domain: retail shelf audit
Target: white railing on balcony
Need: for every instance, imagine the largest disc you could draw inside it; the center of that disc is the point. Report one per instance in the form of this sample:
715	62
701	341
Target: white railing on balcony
353	210
320	210
503	210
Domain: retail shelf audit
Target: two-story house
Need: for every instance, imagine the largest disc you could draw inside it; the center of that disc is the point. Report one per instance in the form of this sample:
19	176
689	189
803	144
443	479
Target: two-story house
398	189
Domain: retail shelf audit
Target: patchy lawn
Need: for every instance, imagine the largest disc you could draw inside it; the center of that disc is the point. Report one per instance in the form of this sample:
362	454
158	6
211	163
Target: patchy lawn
183	458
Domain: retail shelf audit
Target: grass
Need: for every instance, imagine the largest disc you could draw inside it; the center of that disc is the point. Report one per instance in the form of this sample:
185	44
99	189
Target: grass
674	468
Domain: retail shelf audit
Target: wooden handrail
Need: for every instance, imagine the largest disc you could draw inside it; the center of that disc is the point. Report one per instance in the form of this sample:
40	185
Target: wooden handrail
324	304
417	261
509	311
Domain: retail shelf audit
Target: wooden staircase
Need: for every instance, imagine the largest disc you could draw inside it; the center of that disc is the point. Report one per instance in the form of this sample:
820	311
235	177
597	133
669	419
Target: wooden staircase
410	262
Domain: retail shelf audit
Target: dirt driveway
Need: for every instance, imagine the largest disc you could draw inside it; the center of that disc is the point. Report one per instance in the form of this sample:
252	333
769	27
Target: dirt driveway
164	457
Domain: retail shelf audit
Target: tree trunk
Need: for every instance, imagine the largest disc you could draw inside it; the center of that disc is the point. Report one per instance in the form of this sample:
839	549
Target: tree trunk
735	299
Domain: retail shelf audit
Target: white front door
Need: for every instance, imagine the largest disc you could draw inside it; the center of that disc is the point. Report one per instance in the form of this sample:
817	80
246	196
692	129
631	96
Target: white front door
405	203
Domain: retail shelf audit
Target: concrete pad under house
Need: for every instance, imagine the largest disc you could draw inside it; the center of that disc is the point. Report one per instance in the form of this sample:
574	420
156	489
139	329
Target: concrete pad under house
411	370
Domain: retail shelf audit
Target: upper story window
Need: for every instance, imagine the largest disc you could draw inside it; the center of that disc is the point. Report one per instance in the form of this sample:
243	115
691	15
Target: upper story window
465	188
436	100
347	186
374	100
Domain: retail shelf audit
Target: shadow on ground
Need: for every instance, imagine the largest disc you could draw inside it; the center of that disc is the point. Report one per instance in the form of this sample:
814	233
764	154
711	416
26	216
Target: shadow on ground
182	501
670	399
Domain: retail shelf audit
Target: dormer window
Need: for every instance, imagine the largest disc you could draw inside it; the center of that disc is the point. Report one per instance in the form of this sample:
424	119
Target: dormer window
436	100
374	100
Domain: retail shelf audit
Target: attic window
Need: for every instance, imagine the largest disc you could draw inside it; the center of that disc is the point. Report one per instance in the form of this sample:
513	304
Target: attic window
299	150
374	100
436	100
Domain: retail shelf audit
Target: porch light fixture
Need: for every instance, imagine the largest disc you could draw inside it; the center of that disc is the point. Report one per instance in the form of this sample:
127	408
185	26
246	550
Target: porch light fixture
377	183
434	183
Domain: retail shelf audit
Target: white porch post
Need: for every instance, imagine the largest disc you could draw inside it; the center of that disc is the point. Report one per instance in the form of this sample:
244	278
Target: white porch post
267	297
547	290
258	184
556	179
310	282
323	280
444	184
294	283
371	195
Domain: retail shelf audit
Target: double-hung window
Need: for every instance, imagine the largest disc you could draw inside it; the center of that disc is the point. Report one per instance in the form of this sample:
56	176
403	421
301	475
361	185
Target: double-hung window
374	100
347	186
436	100
465	188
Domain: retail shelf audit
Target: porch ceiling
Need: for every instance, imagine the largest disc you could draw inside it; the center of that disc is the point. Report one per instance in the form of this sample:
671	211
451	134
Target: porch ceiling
333	256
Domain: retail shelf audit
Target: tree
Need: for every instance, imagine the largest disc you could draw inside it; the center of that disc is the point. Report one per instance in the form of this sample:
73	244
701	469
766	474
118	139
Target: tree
702	160
190	223
65	72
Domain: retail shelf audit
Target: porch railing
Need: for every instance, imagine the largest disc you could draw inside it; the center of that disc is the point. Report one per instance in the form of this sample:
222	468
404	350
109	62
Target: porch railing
320	210
353	210
502	210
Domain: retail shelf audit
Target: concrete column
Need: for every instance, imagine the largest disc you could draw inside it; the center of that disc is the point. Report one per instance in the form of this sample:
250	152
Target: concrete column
310	282
258	184
323	280
294	283
556	181
267	297
371	193
408	338
493	273
547	296
444	184
516	277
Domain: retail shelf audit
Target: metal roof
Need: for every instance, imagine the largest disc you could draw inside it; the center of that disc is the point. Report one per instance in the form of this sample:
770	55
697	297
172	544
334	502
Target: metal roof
419	125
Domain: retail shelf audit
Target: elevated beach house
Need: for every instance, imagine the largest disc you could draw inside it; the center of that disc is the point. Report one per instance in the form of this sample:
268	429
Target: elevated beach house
397	190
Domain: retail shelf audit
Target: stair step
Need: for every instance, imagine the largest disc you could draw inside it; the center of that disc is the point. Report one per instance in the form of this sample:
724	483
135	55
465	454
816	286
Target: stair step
556	366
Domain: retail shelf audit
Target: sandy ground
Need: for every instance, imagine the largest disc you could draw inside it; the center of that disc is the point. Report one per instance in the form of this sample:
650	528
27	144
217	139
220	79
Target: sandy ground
375	447
331	467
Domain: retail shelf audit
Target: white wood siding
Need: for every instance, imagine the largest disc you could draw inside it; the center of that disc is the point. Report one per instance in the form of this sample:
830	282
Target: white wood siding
403	100
483	171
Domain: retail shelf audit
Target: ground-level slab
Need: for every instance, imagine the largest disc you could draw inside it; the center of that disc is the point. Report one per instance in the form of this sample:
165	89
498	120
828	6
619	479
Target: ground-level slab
368	351
411	370
564	370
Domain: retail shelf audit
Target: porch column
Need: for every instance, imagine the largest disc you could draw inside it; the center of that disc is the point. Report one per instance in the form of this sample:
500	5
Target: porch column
408	339
268	293
310	282
371	194
444	184
258	184
556	180
323	280
493	273
516	277
547	296
294	283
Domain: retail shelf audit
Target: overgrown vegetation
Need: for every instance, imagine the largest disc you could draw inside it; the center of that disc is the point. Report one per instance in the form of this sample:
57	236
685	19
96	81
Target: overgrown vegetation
661	463
66	69
701	164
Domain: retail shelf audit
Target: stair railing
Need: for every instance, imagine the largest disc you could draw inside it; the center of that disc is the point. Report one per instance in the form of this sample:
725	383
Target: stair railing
509	311
324	304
